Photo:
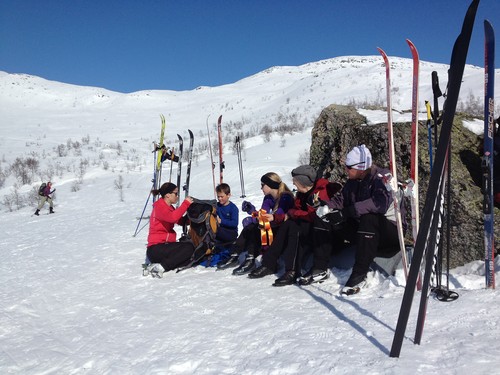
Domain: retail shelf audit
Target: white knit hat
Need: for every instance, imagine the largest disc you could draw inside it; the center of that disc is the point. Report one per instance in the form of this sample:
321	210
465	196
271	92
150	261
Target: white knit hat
359	158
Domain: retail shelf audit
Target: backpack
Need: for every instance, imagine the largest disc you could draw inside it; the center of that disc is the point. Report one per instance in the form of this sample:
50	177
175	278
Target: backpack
202	232
42	188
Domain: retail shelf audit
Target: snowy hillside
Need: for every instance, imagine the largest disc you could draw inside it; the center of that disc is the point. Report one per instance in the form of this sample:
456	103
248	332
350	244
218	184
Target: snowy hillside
74	300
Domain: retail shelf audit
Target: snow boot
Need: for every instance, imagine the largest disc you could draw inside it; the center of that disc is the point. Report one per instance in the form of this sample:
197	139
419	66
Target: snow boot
51	211
260	272
156	270
247	266
37	212
314	276
353	285
287	279
232	261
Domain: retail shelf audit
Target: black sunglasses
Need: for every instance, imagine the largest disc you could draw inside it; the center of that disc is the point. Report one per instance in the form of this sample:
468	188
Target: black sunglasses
352	166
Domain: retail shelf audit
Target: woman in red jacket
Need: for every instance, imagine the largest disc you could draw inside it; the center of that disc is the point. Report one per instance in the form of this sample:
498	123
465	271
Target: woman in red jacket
163	251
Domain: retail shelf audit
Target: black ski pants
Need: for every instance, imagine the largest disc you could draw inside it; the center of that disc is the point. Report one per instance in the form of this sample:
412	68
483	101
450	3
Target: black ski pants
171	255
248	240
289	244
373	235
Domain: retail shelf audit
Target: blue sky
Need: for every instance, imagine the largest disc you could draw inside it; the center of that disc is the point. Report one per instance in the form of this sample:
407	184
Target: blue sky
126	45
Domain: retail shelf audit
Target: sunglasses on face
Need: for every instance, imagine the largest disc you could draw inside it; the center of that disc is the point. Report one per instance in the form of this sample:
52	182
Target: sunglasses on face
352	166
175	192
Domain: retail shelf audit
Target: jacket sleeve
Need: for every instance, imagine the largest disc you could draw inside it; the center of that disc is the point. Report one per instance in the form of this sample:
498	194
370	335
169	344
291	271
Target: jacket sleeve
174	216
379	201
337	201
267	204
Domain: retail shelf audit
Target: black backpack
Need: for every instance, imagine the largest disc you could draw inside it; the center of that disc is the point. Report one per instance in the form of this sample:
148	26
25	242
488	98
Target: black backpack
203	223
202	231
41	189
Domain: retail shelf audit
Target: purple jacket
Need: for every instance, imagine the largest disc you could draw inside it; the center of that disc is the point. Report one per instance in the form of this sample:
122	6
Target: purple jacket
285	203
47	192
368	196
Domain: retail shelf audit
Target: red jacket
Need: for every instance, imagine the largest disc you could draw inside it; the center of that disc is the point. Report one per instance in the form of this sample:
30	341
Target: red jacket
162	221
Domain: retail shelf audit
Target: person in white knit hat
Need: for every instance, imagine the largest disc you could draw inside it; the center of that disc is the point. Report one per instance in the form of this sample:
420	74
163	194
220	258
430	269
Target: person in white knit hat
362	214
359	158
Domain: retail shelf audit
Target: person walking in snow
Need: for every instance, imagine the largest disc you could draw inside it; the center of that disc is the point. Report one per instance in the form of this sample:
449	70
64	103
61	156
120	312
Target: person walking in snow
45	196
227	215
278	199
296	230
163	250
362	214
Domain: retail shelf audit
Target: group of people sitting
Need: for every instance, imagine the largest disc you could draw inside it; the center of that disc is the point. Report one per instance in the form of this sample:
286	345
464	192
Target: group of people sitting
322	218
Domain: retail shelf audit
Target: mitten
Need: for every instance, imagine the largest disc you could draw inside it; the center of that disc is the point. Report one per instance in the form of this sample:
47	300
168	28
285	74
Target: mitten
248	207
249	220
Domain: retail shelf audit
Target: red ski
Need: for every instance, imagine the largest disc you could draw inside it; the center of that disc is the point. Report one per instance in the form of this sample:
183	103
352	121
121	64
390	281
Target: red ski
392	180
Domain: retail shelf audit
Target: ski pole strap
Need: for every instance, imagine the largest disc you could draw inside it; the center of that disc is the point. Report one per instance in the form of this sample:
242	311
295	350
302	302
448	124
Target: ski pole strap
266	233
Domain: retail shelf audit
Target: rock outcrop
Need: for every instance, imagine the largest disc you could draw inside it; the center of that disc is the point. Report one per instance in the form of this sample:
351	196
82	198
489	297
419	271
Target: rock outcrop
339	128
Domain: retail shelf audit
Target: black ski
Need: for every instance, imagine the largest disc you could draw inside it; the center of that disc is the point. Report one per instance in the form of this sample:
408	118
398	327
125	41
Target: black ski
487	162
190	159
179	164
433	202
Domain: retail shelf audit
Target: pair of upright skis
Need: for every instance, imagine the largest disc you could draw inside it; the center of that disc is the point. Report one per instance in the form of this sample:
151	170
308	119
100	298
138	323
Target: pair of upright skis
222	165
411	186
428	238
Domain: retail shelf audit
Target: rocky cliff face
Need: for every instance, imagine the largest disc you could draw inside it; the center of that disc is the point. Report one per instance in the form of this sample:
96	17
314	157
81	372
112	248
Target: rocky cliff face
339	128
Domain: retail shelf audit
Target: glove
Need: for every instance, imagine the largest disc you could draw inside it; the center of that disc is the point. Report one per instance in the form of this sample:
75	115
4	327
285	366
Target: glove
249	220
248	207
168	156
336	217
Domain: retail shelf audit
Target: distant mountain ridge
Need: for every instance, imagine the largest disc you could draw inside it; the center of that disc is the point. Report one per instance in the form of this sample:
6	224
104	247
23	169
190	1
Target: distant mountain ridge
59	111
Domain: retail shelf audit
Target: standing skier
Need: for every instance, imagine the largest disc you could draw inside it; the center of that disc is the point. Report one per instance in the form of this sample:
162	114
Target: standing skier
363	214
45	197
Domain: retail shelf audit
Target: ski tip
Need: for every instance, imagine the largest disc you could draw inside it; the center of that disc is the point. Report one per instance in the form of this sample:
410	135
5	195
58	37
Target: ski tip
384	55
488	27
